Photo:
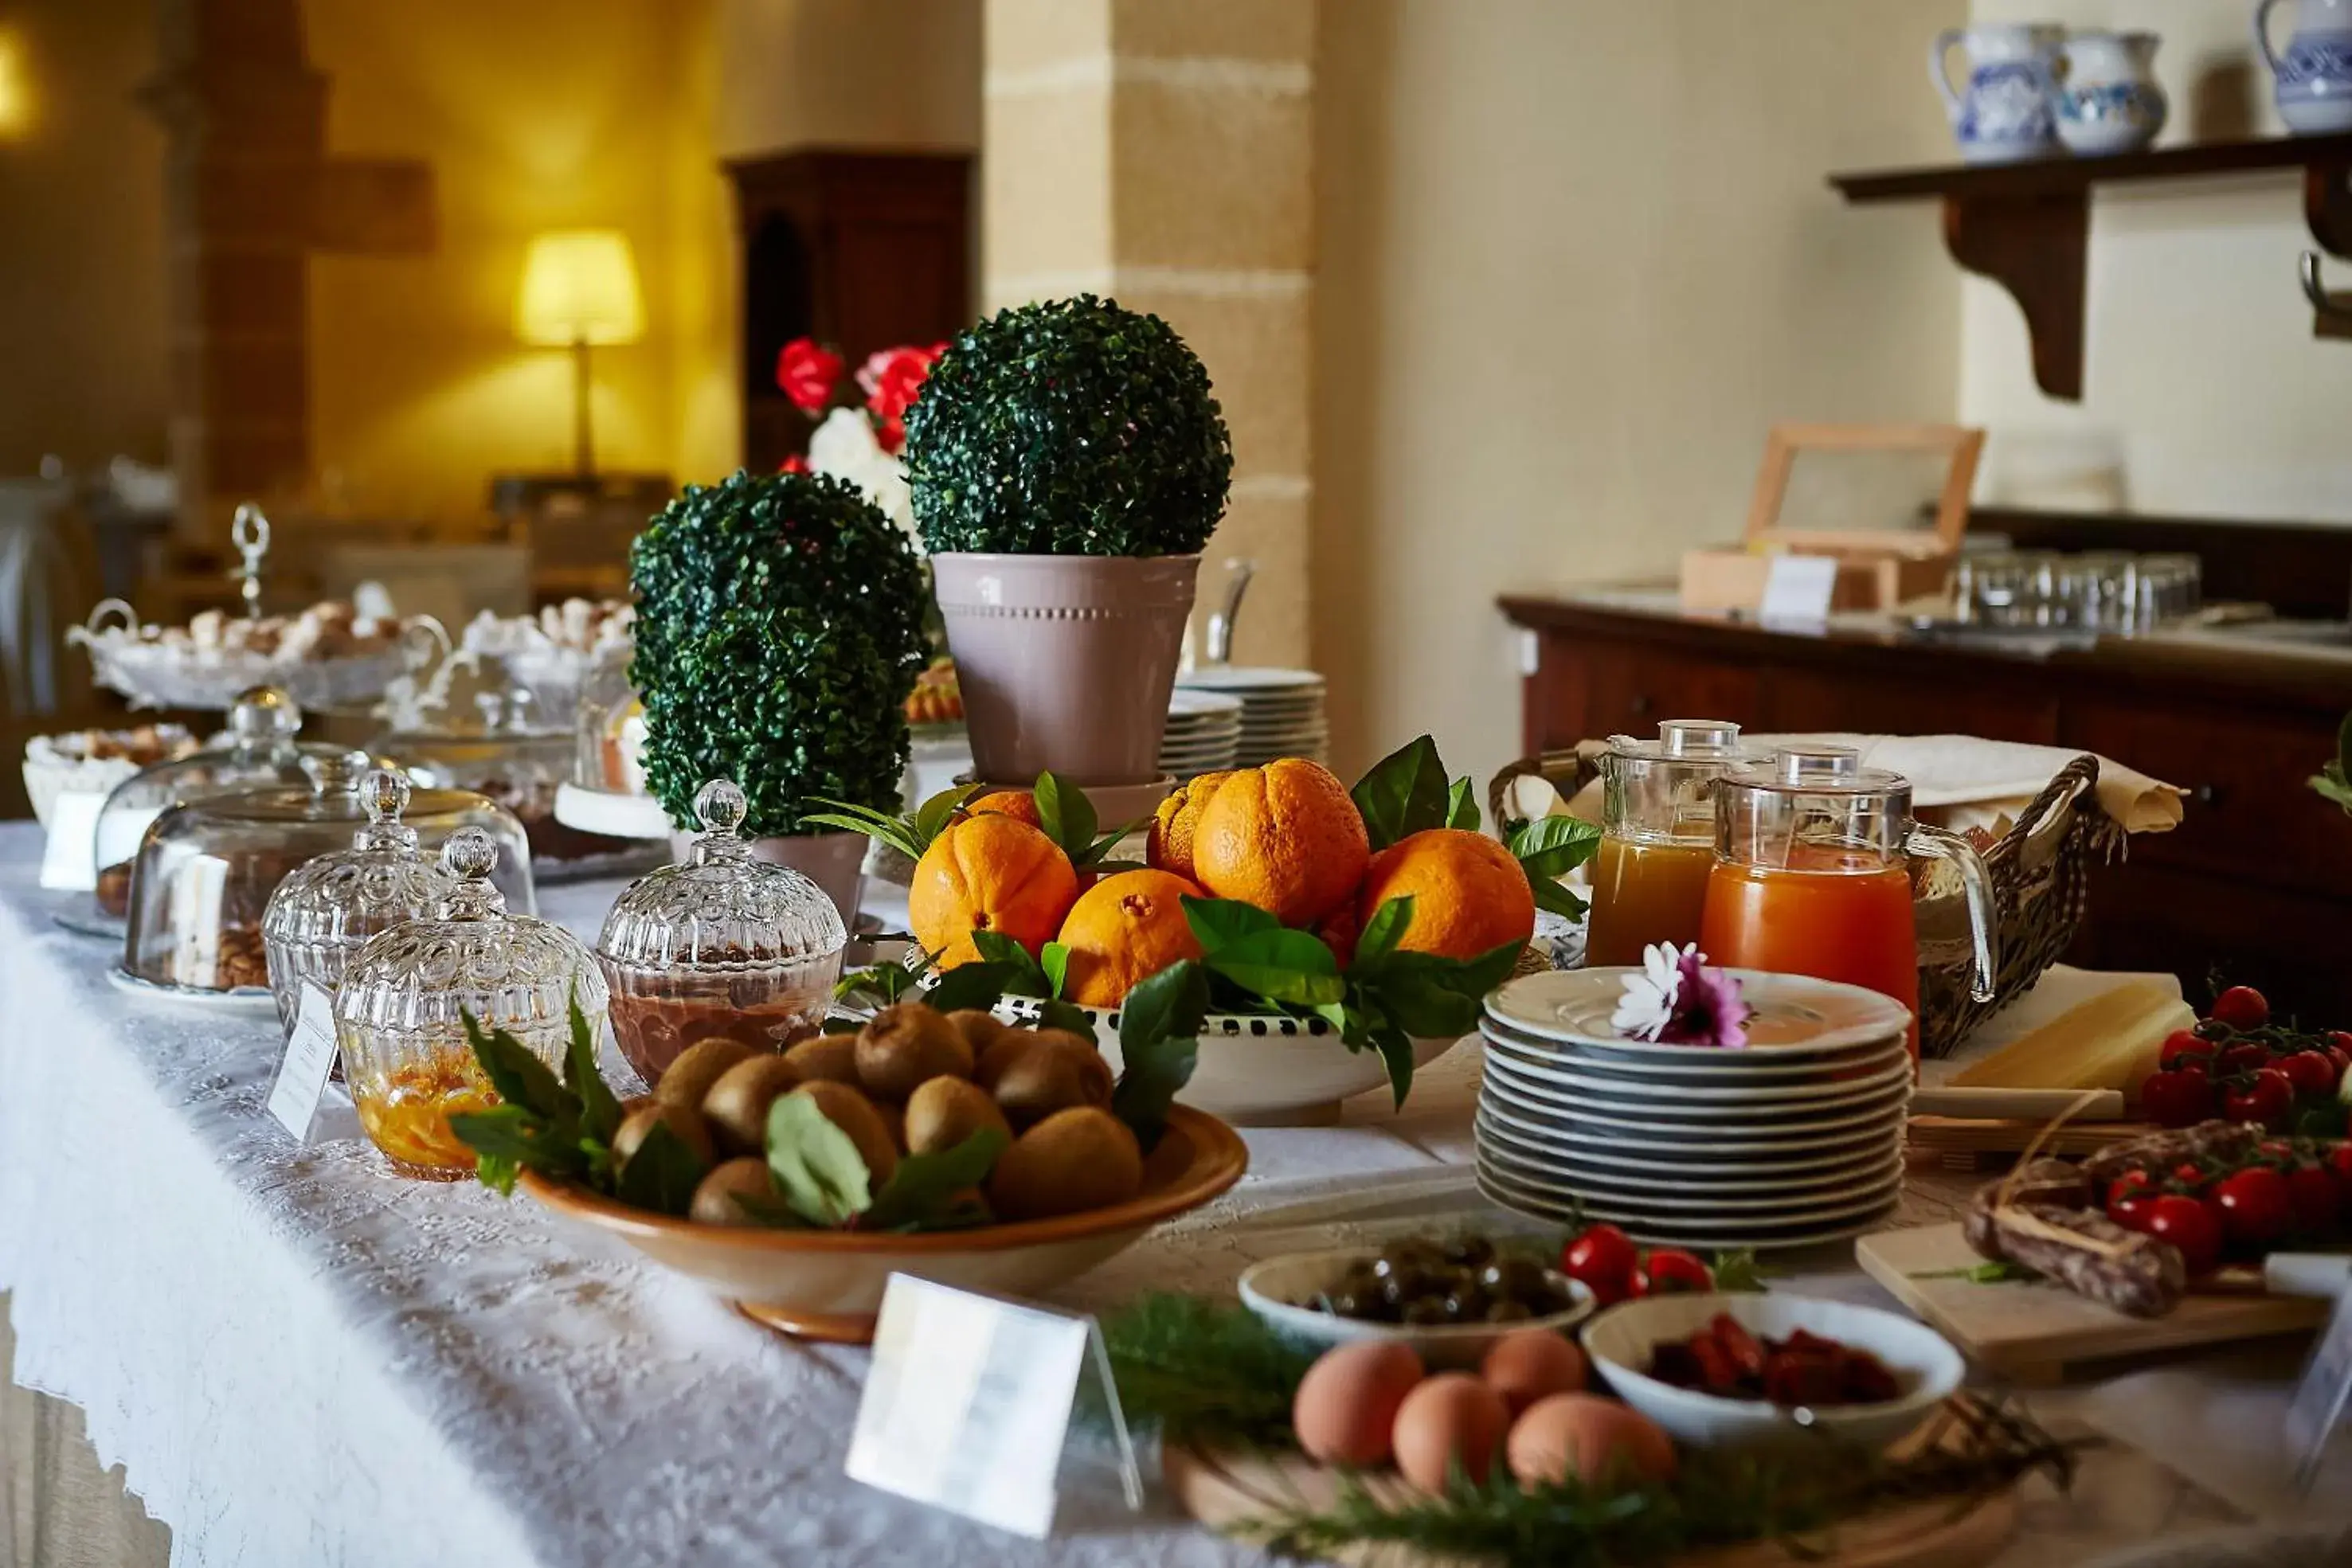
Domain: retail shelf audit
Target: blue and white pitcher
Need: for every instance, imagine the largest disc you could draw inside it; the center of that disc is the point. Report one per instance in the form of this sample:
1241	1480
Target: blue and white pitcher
2006	113
2109	101
2315	75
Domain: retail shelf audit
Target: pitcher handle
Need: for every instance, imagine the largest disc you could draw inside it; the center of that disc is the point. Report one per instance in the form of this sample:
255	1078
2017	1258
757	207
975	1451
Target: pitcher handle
1976	886
1938	55
2263	33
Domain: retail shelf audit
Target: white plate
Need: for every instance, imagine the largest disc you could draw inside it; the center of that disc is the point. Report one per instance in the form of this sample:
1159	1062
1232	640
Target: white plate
245	1001
1673	1078
1700	1239
1699	1170
1201	703
1790	1220
1643	1177
1607	1145
1795	1014
1884	1182
1887	1108
1249	678
84	918
1697	1099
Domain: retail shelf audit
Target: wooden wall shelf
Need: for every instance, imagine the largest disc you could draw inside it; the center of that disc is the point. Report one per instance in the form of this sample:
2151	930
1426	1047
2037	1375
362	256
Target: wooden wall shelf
2027	225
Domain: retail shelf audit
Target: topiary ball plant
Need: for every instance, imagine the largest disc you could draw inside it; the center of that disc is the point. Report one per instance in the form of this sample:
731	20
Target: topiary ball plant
779	630
1071	427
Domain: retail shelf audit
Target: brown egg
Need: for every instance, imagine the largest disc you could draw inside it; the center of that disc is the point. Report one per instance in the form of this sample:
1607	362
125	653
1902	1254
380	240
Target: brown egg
1452	1419
1346	1408
1597	1440
1532	1364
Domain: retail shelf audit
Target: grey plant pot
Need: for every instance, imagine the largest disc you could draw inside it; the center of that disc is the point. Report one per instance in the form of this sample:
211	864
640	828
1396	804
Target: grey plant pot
1065	661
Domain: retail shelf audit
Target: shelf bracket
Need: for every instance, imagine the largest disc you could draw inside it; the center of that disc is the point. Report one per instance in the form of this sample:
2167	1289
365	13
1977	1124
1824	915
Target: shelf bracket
2033	246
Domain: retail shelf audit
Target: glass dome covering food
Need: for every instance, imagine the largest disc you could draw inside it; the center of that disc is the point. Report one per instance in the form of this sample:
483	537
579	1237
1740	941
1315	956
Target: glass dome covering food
206	868
402	1010
330	906
724	946
506	752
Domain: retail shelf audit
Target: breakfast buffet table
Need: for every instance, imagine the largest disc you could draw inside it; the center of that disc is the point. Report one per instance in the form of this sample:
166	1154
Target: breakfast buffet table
300	1358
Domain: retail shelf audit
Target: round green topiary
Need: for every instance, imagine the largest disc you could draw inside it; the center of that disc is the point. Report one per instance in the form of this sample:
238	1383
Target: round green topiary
1072	427
779	630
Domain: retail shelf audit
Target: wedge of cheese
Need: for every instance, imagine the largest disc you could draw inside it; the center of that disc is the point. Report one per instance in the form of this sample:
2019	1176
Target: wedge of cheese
2109	1039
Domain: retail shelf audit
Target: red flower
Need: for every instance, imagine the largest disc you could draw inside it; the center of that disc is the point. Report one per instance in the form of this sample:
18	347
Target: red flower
892	379
807	374
795	464
890	434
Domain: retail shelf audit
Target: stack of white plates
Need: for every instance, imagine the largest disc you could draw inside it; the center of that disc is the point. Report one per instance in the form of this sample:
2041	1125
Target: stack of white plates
1204	730
1794	1139
1282	710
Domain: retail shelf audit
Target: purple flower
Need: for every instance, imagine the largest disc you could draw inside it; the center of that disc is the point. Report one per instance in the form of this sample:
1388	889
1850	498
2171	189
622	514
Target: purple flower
1677	1000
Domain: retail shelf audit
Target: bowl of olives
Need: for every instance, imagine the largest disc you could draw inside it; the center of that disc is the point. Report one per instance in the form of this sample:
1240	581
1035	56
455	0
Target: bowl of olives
1449	1300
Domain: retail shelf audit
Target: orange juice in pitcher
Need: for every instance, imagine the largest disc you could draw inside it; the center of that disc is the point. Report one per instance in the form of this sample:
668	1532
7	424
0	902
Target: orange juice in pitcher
1657	837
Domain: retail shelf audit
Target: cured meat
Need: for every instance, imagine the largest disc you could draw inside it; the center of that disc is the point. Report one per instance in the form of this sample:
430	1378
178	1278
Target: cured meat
2214	1140
2080	1248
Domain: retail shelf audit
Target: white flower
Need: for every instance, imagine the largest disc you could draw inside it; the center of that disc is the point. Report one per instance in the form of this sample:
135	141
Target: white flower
1648	1004
843	447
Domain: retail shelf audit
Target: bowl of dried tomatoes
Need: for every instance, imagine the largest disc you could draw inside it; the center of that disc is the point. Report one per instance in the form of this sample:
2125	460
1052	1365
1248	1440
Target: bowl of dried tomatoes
1763	1369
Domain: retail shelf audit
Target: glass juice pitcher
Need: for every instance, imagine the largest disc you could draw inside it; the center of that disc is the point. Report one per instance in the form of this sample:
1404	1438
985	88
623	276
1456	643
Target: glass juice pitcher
1811	876
1657	837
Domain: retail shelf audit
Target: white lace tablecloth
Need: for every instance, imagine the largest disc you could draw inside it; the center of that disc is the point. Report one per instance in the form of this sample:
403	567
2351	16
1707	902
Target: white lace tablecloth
300	1358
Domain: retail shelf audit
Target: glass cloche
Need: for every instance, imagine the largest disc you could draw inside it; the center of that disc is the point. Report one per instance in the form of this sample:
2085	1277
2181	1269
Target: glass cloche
206	868
258	748
332	903
723	944
506	752
401	1010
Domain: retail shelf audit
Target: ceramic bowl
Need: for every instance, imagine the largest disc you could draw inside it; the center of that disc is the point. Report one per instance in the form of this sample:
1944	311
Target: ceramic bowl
1273	1290
1924	1361
827	1284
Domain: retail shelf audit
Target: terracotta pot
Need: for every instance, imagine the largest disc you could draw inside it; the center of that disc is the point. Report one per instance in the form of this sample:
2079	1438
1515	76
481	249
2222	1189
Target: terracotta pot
831	860
1065	660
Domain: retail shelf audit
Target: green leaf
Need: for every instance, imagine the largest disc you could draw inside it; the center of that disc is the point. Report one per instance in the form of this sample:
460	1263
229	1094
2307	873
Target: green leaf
1737	1273
1065	814
663	1174
1549	847
1282	966
891	830
1022	975
770	1210
887	983
1054	962
1059	1014
521	1078
600	1111
1462	807
976	985
513	1140
1395	1047
924	1186
933	815
1381	932
1423	1006
497	1172
1158	1045
1217	921
1560	900
1405	792
1096	855
815	1164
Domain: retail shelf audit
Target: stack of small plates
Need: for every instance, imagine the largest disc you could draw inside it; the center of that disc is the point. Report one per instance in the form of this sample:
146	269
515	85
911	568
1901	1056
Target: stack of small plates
1204	728
1282	710
1794	1139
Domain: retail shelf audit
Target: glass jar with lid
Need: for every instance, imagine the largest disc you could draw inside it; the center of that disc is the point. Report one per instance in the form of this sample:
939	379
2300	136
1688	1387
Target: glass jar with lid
1657	836
506	752
206	870
334	903
723	945
401	1009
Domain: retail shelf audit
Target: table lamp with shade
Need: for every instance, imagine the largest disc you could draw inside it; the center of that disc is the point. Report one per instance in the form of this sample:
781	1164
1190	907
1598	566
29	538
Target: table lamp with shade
580	291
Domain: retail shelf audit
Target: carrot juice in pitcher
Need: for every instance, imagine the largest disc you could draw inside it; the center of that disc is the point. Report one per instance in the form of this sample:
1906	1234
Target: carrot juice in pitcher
1812	876
1657	837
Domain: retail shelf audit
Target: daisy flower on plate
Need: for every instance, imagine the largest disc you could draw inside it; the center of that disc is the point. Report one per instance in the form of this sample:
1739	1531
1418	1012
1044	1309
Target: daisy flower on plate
1675	1000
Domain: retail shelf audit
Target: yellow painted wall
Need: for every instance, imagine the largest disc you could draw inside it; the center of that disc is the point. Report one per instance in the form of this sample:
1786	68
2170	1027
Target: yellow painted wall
1576	255
2202	382
848	73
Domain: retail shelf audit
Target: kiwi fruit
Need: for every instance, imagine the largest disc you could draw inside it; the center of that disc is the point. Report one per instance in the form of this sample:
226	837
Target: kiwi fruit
999	1054
714	1198
737	1104
829	1056
978	1028
1058	1072
945	1112
906	1046
689	1077
855	1114
688	1125
1073	1160
894	1117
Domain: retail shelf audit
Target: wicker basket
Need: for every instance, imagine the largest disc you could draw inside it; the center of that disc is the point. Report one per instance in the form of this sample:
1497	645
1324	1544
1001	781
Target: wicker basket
2041	875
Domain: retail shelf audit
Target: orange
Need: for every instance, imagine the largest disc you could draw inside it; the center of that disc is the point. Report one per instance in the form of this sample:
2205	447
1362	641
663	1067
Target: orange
989	873
1018	804
1469	894
1123	930
1284	837
1169	846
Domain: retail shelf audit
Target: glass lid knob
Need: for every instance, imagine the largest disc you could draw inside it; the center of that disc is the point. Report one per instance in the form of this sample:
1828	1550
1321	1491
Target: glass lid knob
1697	736
720	807
384	794
263	715
334	772
1816	763
470	857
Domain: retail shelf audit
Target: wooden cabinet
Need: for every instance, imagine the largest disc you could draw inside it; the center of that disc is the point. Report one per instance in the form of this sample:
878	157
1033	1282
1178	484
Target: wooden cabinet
2256	883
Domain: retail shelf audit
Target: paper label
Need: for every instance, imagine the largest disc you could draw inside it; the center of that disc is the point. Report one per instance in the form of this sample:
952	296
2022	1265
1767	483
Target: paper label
968	1404
2322	1395
70	859
1798	589
301	1081
198	890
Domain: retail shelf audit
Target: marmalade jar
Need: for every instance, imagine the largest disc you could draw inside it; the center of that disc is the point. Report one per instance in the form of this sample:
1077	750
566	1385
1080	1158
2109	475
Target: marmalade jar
401	1010
1657	837
724	946
1812	876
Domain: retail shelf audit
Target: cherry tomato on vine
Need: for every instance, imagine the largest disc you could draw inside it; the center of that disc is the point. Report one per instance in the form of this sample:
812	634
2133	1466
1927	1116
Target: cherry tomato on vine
2339	1160
2309	1070
2268	1098
2316	1199
2125	1185
2246	1056
2256	1207
2179	1098
2184	1044
2188	1173
1670	1271
2133	1209
1604	1258
2242	1007
2190	1226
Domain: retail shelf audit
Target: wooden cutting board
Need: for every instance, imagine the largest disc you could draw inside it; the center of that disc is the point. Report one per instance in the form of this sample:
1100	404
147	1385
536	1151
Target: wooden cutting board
2030	1332
1235	1492
1969	1143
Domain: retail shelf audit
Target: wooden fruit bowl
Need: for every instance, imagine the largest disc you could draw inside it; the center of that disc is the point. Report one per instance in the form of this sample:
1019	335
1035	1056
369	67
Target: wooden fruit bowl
827	1284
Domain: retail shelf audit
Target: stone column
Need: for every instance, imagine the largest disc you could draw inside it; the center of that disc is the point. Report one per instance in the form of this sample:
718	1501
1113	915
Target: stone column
1162	154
